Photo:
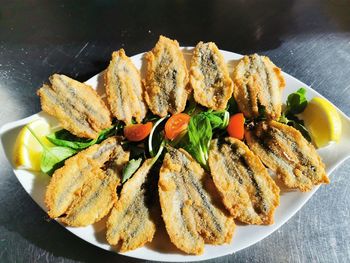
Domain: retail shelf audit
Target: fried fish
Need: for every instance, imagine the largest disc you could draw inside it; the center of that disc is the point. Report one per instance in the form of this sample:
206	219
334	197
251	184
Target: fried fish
93	201
209	77
246	188
124	89
285	151
258	85
76	105
83	190
166	79
131	221
190	211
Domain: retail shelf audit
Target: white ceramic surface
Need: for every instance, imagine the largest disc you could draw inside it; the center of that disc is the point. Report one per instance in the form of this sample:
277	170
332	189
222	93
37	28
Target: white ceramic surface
161	249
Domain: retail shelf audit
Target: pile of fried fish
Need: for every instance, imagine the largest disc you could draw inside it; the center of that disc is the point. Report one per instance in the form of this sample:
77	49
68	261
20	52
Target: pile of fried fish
197	207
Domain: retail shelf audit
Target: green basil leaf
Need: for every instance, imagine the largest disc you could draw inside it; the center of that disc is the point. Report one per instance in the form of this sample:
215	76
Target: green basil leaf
131	168
52	157
199	134
55	138
296	102
218	119
65	139
193	133
206	135
104	134
215	121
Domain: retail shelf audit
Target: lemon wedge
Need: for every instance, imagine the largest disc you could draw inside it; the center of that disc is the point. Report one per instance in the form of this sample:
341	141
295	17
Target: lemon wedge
322	120
27	152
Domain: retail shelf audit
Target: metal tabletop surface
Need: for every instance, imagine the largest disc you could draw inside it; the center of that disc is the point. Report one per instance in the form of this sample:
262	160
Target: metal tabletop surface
307	39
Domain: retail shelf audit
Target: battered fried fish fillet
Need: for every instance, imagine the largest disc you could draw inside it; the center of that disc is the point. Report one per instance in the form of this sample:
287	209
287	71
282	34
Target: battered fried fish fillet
191	214
285	151
209	77
93	201
258	83
76	105
83	190
166	78
124	89
246	188
131	221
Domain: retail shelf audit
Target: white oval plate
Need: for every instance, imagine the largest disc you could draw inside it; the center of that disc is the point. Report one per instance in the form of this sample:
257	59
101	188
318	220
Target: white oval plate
161	249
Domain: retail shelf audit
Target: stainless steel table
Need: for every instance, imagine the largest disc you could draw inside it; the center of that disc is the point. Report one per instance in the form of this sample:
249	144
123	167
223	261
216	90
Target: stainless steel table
308	39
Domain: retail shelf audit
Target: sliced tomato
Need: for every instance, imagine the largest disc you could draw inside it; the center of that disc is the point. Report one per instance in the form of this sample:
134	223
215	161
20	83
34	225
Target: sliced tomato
137	132
176	124
235	126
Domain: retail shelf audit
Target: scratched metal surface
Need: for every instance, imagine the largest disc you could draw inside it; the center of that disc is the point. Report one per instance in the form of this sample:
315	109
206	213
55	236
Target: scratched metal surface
308	39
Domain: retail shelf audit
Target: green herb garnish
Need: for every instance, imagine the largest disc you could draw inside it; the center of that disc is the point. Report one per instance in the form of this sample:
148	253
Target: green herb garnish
133	165
66	139
297	124
131	168
296	104
52	157
200	132
218	119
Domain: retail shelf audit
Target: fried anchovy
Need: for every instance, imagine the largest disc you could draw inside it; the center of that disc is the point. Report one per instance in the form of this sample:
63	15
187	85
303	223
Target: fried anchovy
131	221
258	84
124	89
76	105
166	78
285	151
191	214
209	77
83	190
246	188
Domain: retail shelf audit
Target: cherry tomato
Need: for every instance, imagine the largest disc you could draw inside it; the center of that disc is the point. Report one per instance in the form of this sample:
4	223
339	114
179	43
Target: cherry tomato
137	132
176	124
235	126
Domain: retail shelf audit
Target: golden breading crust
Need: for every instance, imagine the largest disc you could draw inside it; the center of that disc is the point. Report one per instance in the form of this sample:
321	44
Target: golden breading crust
83	190
209	77
124	89
285	151
190	211
166	79
131	221
246	188
76	105
93	201
258	83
